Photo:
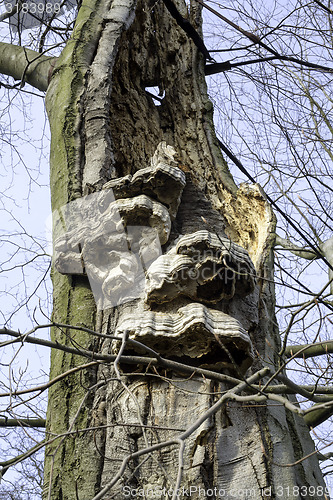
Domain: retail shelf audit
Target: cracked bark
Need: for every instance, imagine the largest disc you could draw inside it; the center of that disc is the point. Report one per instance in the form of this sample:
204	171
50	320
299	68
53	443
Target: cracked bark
105	125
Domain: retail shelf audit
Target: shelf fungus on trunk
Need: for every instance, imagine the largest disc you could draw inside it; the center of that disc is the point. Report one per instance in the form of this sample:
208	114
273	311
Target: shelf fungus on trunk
112	241
90	227
113	235
202	266
195	334
162	181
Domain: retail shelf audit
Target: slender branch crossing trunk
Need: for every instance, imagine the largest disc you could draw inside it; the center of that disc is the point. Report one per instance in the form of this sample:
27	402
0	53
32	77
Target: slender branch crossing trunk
105	125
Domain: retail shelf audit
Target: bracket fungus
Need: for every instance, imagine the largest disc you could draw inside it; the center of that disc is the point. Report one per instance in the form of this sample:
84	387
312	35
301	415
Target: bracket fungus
202	266
161	181
105	232
212	338
115	236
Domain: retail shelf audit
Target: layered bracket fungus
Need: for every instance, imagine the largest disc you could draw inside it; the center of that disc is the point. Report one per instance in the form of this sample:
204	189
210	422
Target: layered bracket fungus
116	237
202	266
198	335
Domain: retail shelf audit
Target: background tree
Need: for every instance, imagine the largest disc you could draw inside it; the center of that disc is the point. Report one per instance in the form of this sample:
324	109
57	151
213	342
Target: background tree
114	55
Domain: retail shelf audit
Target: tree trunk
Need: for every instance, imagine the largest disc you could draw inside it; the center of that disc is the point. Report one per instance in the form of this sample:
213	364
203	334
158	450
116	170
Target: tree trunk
104	126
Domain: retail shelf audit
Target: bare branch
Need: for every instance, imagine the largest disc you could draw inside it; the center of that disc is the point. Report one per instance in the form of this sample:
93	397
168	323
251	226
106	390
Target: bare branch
22	422
309	350
318	414
299	252
26	65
